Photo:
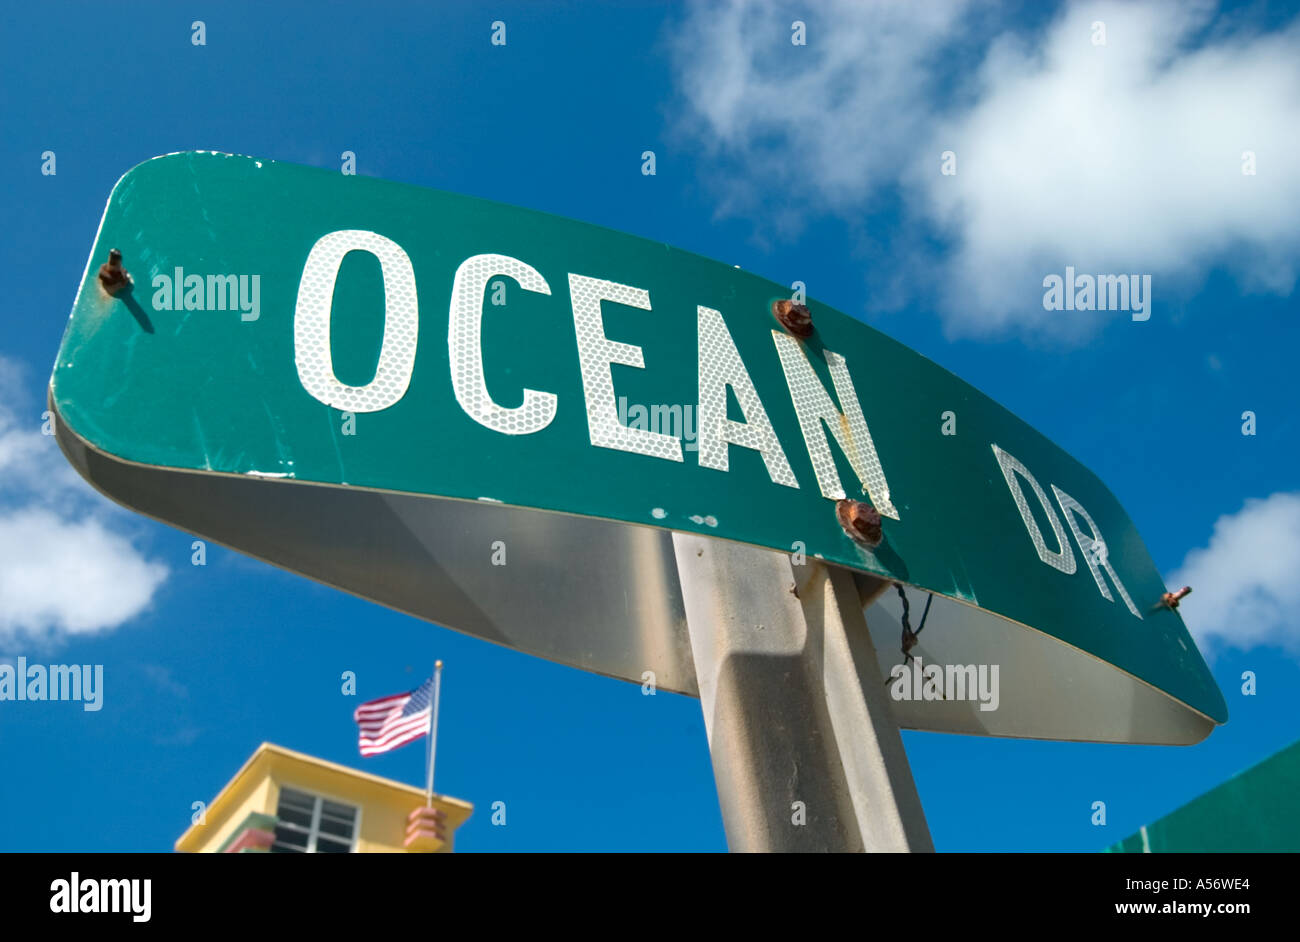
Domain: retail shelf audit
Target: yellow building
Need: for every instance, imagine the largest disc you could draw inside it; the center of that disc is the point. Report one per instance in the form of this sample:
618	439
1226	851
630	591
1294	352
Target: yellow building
287	802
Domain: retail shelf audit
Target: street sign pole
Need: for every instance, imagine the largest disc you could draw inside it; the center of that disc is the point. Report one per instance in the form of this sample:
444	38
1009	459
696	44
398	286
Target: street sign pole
805	753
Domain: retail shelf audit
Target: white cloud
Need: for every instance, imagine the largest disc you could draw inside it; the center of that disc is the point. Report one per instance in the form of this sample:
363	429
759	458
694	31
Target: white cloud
65	567
821	126
1245	582
68	576
830	109
1122	158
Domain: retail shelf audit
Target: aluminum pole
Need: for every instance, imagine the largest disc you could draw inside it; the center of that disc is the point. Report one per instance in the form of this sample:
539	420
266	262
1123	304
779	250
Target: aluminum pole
433	733
806	755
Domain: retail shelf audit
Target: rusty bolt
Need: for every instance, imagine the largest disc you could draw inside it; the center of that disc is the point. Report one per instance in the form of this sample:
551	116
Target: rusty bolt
860	521
793	317
1171	599
112	275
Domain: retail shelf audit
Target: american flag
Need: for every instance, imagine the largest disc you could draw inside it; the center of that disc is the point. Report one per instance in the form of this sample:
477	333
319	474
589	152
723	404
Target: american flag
389	722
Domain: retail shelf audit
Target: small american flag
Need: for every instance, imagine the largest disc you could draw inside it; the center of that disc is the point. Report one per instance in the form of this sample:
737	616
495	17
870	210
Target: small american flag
389	722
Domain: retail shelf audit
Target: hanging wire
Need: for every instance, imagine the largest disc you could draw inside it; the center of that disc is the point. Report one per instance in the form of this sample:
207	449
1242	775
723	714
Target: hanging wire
910	636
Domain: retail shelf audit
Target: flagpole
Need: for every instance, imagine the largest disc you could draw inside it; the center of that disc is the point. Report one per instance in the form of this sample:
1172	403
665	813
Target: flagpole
433	733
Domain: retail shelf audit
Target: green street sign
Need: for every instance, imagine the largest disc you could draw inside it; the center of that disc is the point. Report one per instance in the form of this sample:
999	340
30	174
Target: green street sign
1253	812
494	418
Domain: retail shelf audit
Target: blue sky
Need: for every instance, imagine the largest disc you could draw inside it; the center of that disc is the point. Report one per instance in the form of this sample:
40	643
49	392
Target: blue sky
817	163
